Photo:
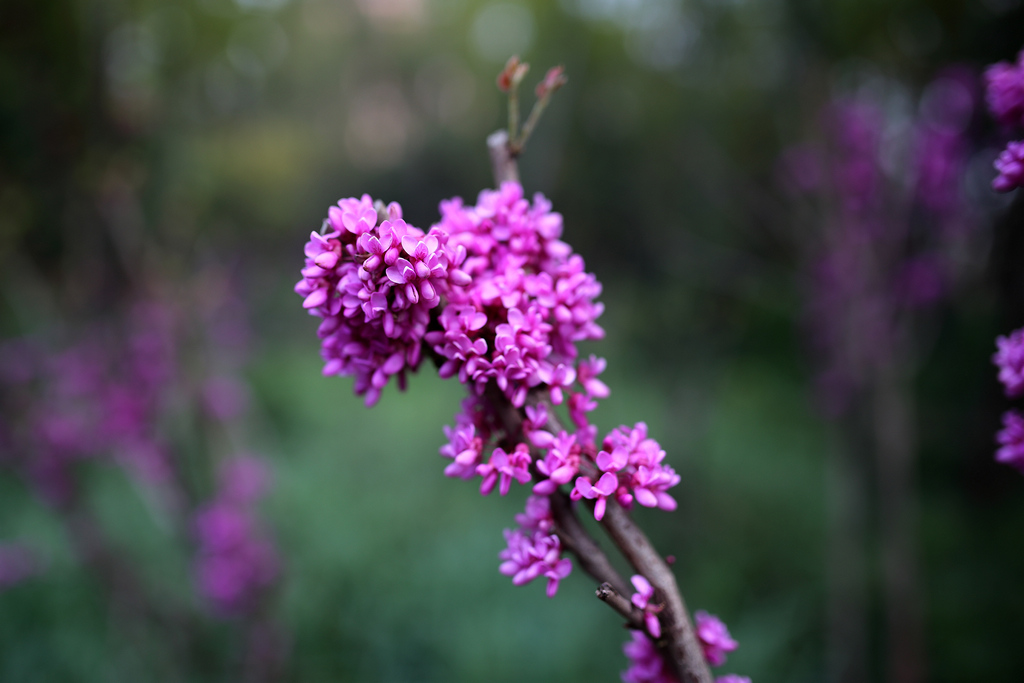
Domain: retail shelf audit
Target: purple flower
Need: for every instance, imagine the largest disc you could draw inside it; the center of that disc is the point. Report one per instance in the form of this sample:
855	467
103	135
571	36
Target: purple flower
537	515
714	638
236	562
605	487
526	302
1009	358
374	286
642	600
1010	165
533	550
646	664
732	678
505	467
559	465
1011	440
1004	92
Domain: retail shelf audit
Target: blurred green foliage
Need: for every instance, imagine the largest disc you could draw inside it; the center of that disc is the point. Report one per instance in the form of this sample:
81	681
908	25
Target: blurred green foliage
158	137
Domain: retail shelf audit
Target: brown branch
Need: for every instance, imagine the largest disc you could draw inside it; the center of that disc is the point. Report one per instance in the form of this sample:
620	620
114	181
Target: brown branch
576	540
503	162
684	652
618	602
679	645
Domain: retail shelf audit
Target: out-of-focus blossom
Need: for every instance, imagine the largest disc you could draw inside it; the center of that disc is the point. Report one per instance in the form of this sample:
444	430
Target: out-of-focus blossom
1009	358
732	678
17	563
1010	165
1004	92
646	664
714	638
236	563
1011	440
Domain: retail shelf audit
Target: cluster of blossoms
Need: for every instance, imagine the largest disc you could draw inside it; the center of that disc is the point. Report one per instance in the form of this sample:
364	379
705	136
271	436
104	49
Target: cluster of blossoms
374	279
1004	92
868	266
236	563
494	296
533	549
647	665
106	399
100	398
1009	358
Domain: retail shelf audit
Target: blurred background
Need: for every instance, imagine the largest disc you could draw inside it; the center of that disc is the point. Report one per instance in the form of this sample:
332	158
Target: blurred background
804	269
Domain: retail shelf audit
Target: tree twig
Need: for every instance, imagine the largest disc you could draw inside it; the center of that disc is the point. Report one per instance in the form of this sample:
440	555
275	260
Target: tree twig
683	650
618	602
503	163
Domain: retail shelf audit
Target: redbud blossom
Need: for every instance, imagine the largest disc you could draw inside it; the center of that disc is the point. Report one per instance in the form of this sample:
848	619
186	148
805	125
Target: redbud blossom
714	638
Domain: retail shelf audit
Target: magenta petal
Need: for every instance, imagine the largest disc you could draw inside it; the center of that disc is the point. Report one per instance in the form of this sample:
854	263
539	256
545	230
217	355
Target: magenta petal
317	298
584	488
645	497
653	625
607	484
545	488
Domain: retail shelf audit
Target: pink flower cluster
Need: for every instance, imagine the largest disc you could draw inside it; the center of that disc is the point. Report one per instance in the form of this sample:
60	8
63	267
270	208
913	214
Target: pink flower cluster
499	301
530	299
1004	92
100	398
533	549
632	470
647	666
374	280
1009	358
236	563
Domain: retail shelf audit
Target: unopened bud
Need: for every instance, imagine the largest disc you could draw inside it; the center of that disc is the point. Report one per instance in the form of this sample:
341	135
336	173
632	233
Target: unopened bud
512	74
553	80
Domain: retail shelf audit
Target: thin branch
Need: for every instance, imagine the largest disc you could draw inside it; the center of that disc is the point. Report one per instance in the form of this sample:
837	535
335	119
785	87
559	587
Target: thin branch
619	603
576	540
503	163
684	652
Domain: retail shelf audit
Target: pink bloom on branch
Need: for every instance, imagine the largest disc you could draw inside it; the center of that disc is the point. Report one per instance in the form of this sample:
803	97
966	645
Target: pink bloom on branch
642	600
714	638
606	486
505	467
646	664
560	465
533	550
